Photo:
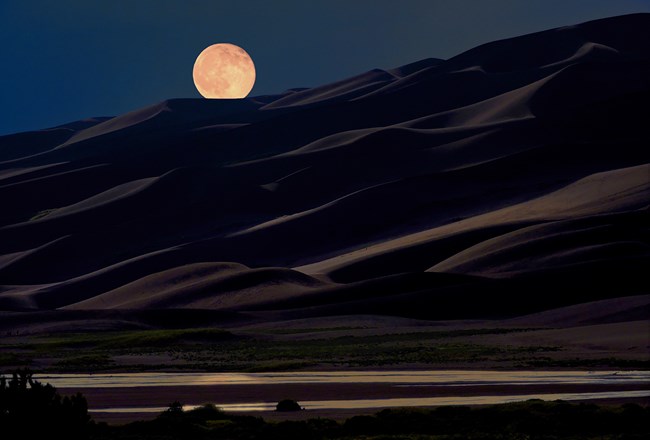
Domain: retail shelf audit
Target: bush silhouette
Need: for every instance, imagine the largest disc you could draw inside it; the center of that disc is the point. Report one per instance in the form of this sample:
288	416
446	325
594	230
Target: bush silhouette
175	407
288	405
534	420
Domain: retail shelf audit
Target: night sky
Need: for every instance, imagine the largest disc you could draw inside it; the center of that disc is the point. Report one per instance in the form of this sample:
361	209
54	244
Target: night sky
71	59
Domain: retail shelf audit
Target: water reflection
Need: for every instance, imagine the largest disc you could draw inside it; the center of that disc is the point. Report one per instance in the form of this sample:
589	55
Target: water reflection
400	378
400	402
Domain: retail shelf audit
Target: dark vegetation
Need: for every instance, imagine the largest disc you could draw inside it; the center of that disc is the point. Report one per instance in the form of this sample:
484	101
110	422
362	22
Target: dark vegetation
533	419
219	350
30	409
288	405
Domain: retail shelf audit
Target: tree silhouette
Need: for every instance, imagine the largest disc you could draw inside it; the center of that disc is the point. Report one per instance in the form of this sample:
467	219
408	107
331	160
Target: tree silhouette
32	408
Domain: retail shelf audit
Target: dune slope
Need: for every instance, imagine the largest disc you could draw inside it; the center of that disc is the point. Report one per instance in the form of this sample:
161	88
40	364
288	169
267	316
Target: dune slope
511	179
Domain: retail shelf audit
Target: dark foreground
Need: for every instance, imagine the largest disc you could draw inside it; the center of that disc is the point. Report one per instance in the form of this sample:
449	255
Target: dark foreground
35	410
533	419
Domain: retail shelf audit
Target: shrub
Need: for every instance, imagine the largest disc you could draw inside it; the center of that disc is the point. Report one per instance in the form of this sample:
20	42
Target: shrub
288	405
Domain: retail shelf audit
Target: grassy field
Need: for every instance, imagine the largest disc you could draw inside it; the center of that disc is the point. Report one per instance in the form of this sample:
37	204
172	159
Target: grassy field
211	349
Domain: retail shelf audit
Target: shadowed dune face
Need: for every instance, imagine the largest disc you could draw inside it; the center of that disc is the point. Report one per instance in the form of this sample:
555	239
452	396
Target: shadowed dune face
510	179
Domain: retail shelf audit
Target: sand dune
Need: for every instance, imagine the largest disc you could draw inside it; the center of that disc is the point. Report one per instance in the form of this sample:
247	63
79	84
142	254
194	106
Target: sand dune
622	309
215	286
619	190
442	189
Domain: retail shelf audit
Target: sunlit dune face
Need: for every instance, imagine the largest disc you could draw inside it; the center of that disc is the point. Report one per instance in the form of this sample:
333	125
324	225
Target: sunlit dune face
224	71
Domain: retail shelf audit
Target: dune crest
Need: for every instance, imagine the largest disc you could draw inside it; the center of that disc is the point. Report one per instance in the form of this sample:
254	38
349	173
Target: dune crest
441	189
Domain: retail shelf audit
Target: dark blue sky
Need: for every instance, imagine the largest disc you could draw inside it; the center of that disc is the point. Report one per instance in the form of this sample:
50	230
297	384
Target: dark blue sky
71	59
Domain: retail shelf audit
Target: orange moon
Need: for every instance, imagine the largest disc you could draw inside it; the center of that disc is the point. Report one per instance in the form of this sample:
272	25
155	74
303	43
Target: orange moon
224	71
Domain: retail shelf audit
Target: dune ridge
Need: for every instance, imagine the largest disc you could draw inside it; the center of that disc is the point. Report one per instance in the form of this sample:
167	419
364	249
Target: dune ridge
511	179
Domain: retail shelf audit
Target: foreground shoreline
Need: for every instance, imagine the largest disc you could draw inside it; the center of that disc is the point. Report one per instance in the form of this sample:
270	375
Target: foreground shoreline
118	399
333	414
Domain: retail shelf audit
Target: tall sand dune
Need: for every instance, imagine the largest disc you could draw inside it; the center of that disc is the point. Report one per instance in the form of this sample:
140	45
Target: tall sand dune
509	180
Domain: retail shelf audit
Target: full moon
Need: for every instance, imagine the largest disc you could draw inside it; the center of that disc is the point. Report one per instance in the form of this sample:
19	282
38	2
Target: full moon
224	71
